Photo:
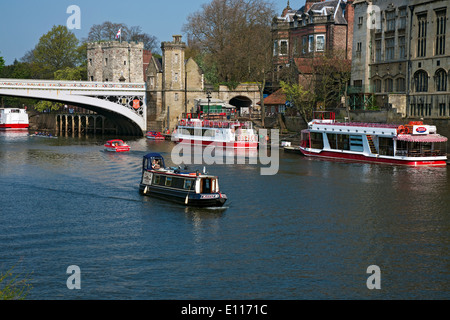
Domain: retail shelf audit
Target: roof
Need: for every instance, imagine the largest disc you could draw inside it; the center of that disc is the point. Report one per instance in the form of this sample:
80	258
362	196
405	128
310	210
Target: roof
422	138
326	8
153	155
276	98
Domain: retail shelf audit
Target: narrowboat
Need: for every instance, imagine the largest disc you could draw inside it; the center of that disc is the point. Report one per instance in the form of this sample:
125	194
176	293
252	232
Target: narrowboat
189	188
232	134
116	145
412	144
13	119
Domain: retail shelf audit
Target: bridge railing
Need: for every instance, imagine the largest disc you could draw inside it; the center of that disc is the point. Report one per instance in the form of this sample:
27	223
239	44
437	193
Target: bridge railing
69	85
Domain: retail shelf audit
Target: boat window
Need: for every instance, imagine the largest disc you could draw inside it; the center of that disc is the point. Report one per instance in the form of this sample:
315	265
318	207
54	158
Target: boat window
356	143
188	184
168	181
156	179
206	185
343	142
316	140
386	146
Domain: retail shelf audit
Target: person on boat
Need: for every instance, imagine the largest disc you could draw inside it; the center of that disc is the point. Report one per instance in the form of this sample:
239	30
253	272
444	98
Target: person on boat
156	164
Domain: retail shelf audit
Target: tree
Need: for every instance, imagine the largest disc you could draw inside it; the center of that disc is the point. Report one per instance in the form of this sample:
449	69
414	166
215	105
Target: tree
304	100
55	50
2	63
107	31
227	34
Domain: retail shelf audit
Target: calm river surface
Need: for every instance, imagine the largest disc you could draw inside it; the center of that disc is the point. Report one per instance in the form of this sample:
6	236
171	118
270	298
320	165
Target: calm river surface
308	232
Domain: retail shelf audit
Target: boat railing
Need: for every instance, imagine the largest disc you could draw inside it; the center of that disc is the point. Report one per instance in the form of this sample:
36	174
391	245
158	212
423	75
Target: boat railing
215	124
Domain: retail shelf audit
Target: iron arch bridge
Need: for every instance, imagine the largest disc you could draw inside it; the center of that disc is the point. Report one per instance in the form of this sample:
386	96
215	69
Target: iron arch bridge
122	103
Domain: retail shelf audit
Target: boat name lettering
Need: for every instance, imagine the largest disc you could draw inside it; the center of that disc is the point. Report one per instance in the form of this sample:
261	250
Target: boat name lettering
209	196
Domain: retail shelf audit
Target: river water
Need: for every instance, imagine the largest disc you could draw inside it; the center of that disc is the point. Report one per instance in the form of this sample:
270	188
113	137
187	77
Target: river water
308	232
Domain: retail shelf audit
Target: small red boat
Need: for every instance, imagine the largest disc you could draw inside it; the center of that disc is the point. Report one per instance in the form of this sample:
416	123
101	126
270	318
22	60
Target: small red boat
153	135
116	145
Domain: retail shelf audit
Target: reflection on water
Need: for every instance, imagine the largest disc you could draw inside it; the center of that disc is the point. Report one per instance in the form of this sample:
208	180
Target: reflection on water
308	232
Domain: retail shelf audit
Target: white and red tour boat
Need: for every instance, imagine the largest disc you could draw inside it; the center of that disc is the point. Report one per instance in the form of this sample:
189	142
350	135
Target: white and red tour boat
221	133
13	119
413	144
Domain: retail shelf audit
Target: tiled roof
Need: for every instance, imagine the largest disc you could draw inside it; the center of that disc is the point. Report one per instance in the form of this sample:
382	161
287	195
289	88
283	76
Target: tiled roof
276	98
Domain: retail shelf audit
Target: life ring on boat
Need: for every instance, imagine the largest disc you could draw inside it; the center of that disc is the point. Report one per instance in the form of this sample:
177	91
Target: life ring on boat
246	138
183	122
401	130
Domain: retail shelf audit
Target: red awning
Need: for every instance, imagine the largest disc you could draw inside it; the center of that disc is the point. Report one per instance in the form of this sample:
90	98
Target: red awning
421	138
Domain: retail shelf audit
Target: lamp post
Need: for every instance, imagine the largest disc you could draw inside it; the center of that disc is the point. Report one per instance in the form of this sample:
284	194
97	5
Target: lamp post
208	96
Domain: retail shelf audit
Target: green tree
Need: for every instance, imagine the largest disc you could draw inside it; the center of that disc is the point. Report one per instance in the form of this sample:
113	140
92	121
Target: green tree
56	50
2	63
304	100
12	288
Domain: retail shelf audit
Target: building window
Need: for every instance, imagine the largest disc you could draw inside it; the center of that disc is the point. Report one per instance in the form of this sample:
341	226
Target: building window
377	50
311	44
90	62
402	14
275	48
442	109
390	49
421	81
401	47
175	77
377	84
400	84
360	21
320	43
176	97
106	61
422	35
390	20
358	49
389	85
283	47
441	22
304	44
441	80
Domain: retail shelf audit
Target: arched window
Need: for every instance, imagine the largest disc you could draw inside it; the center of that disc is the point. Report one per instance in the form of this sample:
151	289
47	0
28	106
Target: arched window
400	84
421	81
388	85
441	80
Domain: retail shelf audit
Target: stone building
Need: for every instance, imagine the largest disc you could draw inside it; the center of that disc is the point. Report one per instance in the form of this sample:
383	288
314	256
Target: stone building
173	83
115	61
399	59
318	27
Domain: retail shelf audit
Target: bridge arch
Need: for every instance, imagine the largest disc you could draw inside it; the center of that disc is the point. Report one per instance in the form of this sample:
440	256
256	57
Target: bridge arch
123	104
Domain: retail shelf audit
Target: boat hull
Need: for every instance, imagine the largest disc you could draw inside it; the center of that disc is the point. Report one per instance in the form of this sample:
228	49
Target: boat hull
374	159
179	196
117	149
14	126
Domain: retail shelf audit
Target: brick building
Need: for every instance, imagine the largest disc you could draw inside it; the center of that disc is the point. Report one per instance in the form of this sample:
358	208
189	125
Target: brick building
318	27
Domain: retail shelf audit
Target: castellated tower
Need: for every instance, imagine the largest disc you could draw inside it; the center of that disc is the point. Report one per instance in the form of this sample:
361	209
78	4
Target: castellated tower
173	66
115	61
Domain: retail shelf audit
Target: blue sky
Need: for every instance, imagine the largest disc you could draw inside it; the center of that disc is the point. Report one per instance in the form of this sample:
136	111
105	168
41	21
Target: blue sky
23	22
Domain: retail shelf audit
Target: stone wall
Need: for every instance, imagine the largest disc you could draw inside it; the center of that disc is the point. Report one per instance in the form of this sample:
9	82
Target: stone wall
115	61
